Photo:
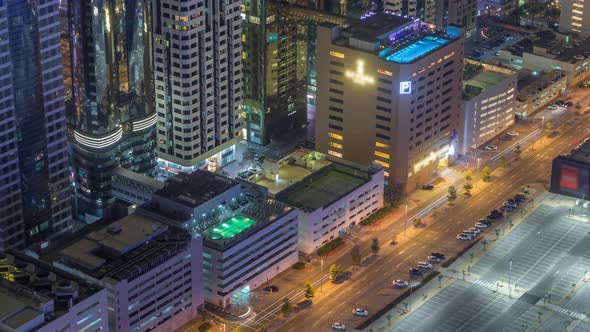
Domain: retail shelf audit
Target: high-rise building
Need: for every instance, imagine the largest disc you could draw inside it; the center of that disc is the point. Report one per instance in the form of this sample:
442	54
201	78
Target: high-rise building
274	96
461	13
109	96
574	17
389	91
497	7
34	145
198	83
425	10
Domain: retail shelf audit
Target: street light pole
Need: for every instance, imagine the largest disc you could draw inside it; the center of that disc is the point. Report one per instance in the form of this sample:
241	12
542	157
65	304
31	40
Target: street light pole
321	275
411	288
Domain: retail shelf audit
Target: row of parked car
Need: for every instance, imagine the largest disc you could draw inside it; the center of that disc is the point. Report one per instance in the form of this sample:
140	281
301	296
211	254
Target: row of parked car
356	312
421	267
506	207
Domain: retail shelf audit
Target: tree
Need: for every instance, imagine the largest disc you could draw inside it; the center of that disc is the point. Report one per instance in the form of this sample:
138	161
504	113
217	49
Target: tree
309	291
502	162
334	272
452	196
467	187
468	176
549	129
287	307
375	245
417	222
393	195
440	277
355	254
486	174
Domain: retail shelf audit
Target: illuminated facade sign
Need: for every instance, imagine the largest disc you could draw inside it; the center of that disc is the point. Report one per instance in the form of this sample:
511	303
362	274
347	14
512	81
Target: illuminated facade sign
384	72
405	88
359	76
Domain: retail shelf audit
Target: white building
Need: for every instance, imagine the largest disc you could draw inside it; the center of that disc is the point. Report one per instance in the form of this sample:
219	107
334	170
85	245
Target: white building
332	199
489	97
35	296
198	82
247	237
574	17
153	271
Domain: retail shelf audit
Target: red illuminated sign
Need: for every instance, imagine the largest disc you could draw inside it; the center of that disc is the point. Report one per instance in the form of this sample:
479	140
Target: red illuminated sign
568	178
384	72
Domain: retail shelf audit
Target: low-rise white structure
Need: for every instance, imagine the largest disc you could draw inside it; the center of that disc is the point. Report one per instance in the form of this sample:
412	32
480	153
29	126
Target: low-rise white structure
489	96
153	271
247	237
35	296
332	199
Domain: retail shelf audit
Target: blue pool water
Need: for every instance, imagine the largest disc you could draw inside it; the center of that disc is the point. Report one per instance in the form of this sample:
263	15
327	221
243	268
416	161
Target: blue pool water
417	49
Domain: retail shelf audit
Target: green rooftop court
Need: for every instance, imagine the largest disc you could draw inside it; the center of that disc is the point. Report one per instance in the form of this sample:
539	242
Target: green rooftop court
322	188
231	228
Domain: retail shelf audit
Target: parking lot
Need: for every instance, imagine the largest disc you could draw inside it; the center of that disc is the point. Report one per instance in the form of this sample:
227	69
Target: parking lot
546	257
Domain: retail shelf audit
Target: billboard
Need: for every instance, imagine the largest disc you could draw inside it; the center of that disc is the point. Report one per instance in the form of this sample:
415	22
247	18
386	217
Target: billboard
568	177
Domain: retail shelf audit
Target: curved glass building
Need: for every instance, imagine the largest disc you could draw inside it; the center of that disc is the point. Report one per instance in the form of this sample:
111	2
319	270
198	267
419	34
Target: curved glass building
109	97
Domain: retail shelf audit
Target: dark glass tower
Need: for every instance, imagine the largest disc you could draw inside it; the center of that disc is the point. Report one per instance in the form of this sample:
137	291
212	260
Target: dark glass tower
109	93
33	127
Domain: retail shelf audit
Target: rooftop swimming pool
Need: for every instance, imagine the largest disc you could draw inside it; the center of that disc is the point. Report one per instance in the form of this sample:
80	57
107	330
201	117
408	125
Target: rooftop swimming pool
417	49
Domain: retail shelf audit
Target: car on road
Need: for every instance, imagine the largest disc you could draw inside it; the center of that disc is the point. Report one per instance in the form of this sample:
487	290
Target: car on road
568	104
475	230
415	272
513	133
439	255
338	326
433	259
428	186
505	138
491	147
271	289
464	237
552	107
360	312
480	225
470	232
400	283
424	265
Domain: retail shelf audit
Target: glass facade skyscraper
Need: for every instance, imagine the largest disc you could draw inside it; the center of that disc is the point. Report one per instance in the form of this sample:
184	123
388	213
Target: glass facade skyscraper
107	52
36	202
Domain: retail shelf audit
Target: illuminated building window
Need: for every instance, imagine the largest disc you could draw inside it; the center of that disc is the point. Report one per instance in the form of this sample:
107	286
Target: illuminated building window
336	136
336	145
386	174
337	54
335	154
381	145
382	155
382	163
579	25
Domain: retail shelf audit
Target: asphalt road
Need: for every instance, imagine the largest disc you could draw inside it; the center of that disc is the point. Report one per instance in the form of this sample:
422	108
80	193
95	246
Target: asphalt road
372	288
550	253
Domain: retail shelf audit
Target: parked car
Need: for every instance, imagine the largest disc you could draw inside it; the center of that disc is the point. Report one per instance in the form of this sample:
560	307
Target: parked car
520	197
552	107
480	225
506	209
485	221
497	213
505	138
492	216
360	312
428	186
464	237
475	230
400	283
439	255
470	233
433	259
568	104
513	133
491	147
415	272
424	265
338	326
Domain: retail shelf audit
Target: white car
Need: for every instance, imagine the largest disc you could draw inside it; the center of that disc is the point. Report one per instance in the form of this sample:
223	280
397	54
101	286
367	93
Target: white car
400	283
491	147
552	107
480	225
360	312
475	230
424	265
338	326
513	133
433	259
464	237
470	233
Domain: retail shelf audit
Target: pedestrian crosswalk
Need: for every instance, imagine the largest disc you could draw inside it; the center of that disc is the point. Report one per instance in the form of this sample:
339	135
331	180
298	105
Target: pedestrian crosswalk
486	284
570	313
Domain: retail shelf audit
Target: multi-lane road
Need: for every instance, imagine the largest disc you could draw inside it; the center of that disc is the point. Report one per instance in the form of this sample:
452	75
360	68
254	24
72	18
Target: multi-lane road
371	288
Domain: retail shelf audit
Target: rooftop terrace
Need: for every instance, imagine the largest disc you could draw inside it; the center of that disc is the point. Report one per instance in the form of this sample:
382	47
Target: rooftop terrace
582	152
192	190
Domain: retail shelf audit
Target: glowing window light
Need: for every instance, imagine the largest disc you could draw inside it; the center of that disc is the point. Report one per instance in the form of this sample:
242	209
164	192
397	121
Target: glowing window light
337	54
359	76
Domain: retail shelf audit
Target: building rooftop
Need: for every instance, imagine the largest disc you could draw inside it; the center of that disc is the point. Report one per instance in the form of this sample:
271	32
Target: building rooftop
192	190
582	152
324	187
121	174
377	27
124	248
571	51
531	83
28	286
483	77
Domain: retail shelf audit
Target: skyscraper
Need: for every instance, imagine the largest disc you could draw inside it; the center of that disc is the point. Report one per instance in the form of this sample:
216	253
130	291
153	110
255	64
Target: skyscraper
33	125
198	83
425	10
274	96
109	96
575	17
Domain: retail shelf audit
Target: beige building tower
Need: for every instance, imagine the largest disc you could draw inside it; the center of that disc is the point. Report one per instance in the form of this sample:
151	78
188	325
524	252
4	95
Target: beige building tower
389	91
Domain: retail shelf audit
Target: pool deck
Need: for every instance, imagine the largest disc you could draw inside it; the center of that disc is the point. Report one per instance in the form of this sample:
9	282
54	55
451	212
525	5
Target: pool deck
417	49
